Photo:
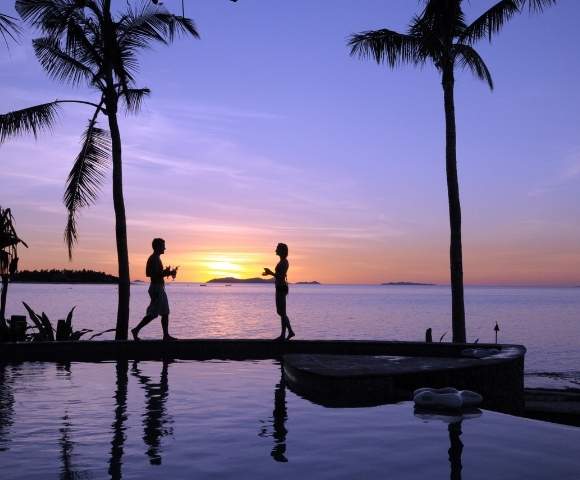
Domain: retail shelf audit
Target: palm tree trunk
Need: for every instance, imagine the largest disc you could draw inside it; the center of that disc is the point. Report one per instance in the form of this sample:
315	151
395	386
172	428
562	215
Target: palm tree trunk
3	301
455	253
120	221
111	102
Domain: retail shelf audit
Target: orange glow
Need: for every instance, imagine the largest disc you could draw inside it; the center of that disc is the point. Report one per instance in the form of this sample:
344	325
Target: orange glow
203	266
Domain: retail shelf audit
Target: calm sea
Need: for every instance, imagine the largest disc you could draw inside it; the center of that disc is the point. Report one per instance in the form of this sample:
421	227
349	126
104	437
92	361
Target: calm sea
545	320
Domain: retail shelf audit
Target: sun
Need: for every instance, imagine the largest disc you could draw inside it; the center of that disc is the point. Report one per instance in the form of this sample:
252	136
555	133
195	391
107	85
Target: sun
224	268
206	265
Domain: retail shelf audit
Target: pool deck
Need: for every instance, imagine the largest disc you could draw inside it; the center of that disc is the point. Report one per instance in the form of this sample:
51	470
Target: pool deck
337	370
347	381
233	349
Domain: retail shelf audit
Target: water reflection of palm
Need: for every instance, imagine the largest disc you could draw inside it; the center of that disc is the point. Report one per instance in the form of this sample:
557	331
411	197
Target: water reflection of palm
118	442
156	421
6	406
454	423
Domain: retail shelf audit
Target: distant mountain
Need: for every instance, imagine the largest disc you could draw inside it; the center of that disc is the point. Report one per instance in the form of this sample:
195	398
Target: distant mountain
241	280
408	284
63	276
308	283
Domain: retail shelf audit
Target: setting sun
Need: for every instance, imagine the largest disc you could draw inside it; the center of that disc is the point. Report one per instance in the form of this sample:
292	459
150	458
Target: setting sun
204	266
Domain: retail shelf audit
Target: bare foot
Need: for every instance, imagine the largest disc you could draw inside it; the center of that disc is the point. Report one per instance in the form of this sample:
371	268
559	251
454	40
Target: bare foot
279	339
135	336
290	335
169	338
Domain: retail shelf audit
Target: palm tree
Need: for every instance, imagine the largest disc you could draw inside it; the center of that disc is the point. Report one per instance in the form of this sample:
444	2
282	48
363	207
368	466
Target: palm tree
440	35
82	42
8	28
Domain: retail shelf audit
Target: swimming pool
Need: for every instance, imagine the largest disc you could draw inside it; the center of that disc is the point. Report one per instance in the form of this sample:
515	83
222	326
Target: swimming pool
217	419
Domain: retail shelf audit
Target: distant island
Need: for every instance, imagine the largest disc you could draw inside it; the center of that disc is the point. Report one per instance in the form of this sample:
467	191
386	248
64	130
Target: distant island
408	284
253	280
241	280
63	276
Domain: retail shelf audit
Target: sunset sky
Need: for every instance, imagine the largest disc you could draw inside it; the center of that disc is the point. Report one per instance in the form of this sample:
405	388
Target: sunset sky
266	130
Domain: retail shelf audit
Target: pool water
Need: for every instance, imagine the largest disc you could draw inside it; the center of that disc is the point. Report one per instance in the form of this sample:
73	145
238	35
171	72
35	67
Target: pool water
216	419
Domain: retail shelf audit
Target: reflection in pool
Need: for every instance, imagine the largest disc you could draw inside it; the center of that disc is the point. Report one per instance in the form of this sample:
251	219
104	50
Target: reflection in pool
239	420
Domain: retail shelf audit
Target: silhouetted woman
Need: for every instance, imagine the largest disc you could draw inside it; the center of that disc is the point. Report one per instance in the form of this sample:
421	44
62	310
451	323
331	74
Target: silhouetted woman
281	283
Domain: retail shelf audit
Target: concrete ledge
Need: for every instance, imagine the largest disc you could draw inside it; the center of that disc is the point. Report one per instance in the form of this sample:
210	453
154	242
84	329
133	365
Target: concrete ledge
560	406
369	380
235	349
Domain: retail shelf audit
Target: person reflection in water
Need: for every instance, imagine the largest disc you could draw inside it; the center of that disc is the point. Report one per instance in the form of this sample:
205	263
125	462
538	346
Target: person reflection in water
156	421
279	417
159	304
281	282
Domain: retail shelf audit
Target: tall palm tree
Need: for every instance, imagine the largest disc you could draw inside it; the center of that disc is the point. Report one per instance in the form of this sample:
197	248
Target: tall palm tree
83	42
9	29
440	35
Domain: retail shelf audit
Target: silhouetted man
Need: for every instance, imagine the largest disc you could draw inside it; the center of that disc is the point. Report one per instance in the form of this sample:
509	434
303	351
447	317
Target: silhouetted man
159	304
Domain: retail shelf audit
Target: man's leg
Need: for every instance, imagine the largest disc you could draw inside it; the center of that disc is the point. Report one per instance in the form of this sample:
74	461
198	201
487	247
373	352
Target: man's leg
146	319
165	327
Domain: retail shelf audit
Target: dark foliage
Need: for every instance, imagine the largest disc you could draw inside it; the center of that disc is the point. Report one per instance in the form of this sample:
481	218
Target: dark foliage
63	276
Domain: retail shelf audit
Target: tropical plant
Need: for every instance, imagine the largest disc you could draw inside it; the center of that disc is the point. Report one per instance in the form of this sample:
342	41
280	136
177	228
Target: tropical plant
82	42
44	331
440	35
9	241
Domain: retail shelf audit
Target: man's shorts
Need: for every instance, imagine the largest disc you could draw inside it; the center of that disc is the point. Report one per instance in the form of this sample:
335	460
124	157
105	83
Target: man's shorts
159	304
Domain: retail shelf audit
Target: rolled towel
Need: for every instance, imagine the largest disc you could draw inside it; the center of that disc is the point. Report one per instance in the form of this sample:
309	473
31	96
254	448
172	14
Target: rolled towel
438	401
470	399
435	390
446	398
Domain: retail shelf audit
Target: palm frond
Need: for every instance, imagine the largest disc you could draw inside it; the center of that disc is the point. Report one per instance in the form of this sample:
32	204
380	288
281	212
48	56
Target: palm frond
48	15
386	46
9	28
86	177
58	63
445	18
535	5
490	22
140	26
467	57
133	98
27	120
64	19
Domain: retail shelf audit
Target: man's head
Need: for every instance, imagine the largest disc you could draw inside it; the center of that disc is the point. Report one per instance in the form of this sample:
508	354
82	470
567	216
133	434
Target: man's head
282	250
158	245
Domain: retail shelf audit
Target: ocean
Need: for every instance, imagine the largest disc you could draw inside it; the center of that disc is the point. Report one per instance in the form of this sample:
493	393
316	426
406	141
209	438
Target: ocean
545	320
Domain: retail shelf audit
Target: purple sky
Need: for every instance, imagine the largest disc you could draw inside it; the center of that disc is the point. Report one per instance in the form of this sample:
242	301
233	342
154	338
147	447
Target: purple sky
266	130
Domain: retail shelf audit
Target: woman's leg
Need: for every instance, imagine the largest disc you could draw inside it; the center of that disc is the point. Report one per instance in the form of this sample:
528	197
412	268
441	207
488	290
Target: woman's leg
281	310
286	322
283	325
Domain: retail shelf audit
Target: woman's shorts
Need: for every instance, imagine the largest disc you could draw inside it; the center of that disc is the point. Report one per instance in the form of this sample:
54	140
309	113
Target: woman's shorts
281	294
159	304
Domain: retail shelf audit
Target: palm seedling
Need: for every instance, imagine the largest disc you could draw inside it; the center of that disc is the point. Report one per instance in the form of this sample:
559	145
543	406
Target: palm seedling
441	36
83	42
